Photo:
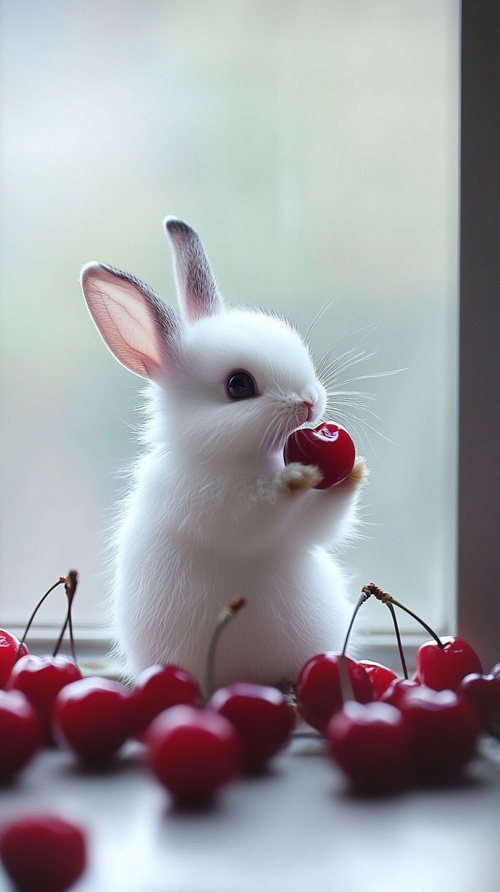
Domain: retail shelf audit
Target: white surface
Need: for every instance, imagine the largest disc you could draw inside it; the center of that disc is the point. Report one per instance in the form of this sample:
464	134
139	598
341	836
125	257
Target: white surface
292	830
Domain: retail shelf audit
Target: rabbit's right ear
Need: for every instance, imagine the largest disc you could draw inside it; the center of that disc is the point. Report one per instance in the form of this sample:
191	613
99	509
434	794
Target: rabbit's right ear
139	328
197	290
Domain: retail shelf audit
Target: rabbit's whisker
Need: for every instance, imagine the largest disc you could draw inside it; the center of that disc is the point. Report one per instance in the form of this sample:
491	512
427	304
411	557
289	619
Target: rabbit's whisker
364	332
319	315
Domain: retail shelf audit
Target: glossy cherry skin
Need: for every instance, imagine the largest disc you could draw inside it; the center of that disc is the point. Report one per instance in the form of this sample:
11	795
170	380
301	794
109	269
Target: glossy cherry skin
443	732
9	649
318	689
396	691
41	678
496	669
43	852
157	688
20	734
444	668
193	753
381	676
261	716
91	717
483	693
328	446
369	742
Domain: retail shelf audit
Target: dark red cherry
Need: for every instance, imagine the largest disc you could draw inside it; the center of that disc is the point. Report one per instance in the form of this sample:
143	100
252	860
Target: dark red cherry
369	742
319	688
157	688
381	676
483	693
41	678
20	734
328	446
91	717
396	691
193	753
443	732
42	851
443	668
260	715
9	650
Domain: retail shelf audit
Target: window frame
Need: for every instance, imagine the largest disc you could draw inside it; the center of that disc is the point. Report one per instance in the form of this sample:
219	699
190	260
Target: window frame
478	554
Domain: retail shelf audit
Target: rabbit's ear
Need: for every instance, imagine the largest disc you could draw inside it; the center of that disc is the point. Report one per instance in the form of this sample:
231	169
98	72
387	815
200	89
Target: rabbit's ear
197	290
139	328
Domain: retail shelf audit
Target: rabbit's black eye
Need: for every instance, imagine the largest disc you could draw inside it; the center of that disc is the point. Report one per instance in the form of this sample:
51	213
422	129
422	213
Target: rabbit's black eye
240	386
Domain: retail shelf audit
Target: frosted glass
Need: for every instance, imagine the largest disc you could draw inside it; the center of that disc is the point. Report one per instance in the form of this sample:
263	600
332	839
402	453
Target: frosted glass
315	148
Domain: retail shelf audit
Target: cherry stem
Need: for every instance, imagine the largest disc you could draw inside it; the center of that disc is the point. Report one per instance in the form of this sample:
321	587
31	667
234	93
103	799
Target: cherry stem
398	638
70	584
385	598
60	581
415	616
223	618
345	681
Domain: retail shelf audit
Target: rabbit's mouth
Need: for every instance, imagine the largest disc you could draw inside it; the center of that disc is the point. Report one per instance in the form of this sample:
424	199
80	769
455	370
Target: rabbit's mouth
284	415
306	410
309	409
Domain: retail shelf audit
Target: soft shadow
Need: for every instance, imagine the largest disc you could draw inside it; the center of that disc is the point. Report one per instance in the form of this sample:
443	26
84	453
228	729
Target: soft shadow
112	767
462	783
351	793
177	810
257	773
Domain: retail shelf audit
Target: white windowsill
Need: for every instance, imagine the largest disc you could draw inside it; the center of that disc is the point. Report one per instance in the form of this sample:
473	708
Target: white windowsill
93	648
296	828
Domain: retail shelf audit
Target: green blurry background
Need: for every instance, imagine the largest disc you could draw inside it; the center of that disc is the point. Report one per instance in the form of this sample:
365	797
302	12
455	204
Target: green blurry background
314	146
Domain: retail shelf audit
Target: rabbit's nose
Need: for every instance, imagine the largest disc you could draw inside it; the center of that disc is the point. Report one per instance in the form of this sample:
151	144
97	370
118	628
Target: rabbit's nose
309	406
309	399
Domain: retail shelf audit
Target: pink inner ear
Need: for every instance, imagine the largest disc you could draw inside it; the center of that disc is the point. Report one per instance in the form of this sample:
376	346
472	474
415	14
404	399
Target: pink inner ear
126	319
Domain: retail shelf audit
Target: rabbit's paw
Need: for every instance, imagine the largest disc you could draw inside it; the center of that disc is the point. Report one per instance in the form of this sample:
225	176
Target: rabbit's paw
358	475
297	478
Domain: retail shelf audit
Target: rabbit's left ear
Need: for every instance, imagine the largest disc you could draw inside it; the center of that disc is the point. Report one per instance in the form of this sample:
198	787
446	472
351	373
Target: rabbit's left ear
135	323
197	290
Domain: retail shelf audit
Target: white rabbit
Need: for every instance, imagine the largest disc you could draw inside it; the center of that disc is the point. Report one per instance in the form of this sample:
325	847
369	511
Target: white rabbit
213	512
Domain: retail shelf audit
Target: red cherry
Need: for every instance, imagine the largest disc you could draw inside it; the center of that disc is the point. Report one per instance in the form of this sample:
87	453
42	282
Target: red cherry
261	716
318	688
193	752
381	676
443	668
91	717
369	742
328	446
157	688
9	649
43	852
443	731
397	690
483	693
20	733
41	679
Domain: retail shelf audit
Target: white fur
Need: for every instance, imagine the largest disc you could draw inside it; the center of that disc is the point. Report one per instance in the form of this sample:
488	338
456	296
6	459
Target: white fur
212	511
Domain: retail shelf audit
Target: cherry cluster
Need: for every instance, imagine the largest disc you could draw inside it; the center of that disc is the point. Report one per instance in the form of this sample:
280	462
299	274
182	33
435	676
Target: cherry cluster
383	731
201	743
387	731
193	744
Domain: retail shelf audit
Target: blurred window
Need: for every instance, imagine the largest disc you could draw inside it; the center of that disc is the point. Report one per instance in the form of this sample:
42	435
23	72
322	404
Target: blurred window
315	148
